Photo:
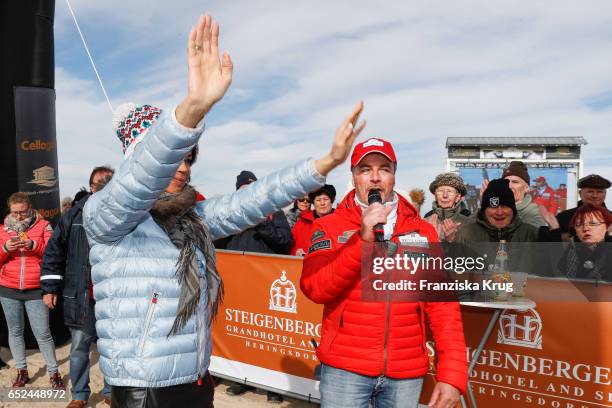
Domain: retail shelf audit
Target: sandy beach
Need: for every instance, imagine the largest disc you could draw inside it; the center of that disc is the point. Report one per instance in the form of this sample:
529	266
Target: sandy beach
39	379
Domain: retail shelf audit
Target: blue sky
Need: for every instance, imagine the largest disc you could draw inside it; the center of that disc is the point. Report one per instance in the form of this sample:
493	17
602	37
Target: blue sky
425	71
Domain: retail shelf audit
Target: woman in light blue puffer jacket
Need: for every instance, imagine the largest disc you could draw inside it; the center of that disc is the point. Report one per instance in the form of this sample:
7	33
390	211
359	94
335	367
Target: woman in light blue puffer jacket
153	267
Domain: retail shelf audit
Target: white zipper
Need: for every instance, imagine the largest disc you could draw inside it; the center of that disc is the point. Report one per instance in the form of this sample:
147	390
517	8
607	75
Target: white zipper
148	319
22	273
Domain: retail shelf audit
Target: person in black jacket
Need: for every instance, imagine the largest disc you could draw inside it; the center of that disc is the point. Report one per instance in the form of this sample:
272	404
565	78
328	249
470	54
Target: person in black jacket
592	190
65	270
272	236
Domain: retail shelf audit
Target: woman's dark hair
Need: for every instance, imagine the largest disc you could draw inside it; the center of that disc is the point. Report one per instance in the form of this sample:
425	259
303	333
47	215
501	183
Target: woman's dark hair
100	169
600	213
194	154
295	202
327	189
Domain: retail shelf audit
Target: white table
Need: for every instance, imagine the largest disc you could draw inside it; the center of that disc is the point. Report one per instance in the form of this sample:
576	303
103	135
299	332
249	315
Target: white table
513	303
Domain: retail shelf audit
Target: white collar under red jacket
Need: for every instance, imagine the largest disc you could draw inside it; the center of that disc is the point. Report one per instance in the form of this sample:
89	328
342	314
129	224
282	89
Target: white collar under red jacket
389	226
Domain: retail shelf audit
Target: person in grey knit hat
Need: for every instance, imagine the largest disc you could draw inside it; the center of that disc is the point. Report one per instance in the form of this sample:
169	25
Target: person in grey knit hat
518	176
449	211
448	179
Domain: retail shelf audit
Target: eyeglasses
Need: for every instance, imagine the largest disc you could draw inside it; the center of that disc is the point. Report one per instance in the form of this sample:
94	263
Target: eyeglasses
20	212
588	224
303	200
450	193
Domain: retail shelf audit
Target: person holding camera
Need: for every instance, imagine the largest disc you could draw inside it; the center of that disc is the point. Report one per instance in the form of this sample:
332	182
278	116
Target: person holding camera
24	237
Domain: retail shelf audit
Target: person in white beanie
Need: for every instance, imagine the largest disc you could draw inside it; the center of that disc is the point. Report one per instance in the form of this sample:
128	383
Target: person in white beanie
156	285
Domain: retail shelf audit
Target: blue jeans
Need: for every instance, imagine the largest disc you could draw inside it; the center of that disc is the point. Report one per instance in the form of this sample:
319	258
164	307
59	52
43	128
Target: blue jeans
341	389
79	365
38	315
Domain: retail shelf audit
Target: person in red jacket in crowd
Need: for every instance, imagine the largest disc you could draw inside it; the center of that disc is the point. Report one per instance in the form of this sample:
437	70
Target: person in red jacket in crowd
373	352
322	200
561	194
299	205
23	237
544	195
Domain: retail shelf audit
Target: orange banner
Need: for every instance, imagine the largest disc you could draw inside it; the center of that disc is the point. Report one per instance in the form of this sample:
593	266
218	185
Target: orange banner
556	355
266	322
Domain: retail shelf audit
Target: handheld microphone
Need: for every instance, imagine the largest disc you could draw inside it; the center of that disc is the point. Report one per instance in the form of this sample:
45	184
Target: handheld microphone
379	231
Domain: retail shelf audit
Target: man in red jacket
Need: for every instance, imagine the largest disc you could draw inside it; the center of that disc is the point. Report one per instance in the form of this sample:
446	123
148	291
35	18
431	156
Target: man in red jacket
375	351
544	195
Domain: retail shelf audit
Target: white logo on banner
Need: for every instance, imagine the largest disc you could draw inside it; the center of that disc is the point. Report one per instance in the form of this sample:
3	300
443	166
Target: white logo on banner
522	329
283	296
413	238
373	142
44	176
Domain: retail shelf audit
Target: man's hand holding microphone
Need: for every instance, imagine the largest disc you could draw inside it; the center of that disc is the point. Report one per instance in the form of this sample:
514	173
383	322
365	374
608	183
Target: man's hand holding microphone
373	218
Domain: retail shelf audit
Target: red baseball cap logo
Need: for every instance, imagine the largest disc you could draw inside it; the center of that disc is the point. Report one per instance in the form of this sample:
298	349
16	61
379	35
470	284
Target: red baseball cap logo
372	145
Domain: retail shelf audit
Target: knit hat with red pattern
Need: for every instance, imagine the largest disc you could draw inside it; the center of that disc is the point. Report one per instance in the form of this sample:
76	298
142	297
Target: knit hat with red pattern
131	123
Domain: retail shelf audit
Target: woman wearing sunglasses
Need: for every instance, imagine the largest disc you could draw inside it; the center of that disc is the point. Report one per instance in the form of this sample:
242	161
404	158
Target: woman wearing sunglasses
299	206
